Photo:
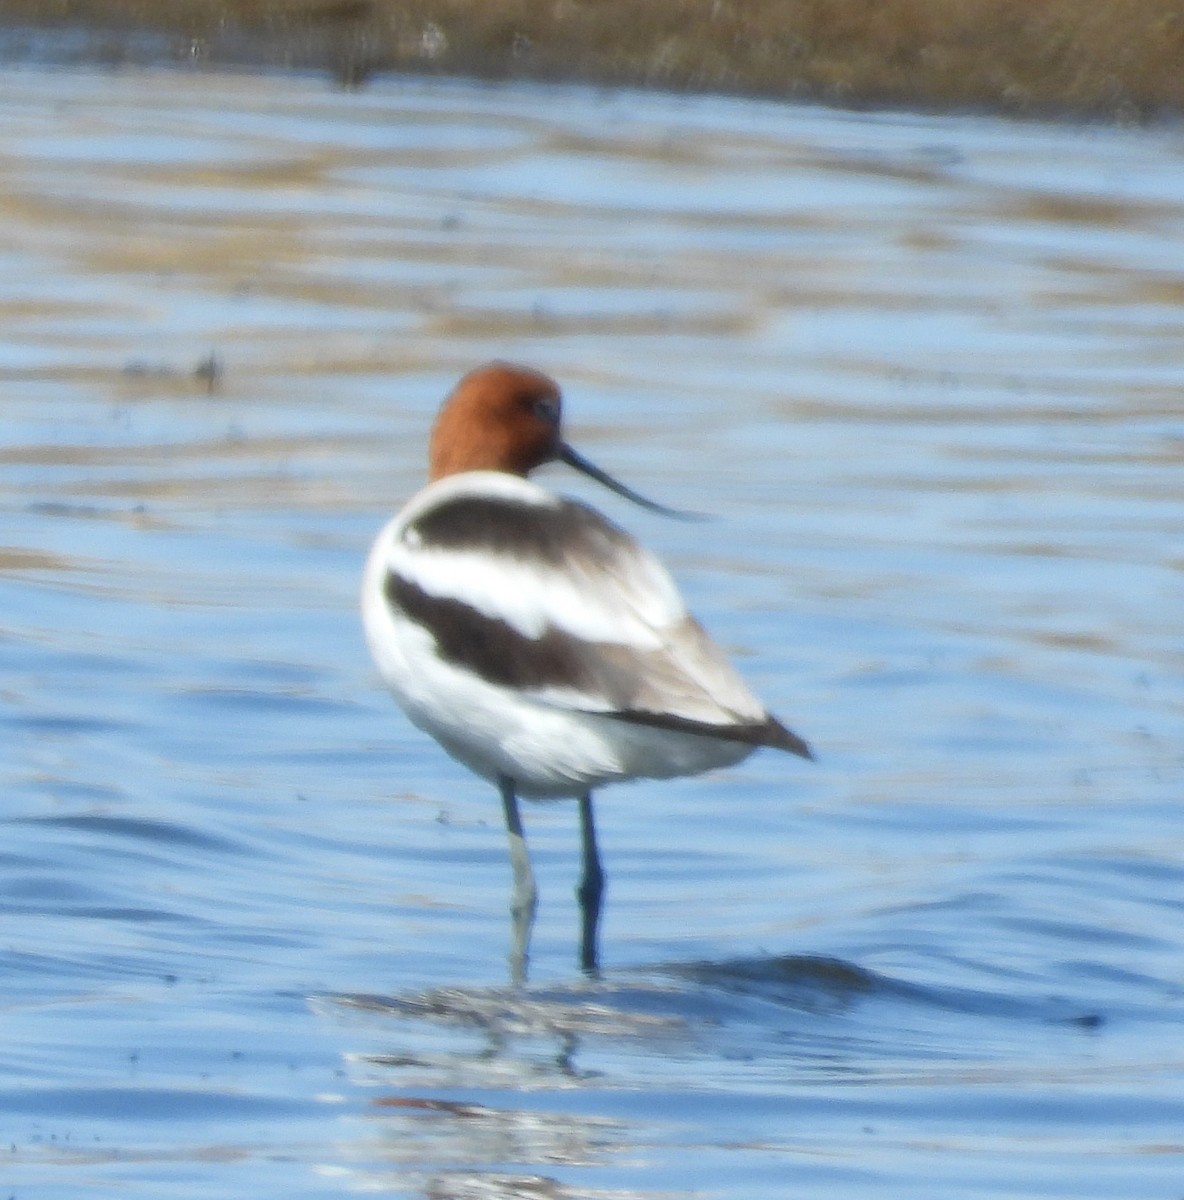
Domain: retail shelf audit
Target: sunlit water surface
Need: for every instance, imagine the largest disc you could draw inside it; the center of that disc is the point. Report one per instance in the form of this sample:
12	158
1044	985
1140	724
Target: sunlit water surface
928	376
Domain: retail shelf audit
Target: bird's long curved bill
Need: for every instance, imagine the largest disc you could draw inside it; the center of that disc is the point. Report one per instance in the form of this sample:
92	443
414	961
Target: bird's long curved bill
581	464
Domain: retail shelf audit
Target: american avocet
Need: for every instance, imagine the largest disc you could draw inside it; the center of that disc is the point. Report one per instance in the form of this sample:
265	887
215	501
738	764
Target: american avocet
537	642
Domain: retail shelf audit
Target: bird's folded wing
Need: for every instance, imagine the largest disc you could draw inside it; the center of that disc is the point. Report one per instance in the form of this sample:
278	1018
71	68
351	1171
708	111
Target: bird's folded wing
556	602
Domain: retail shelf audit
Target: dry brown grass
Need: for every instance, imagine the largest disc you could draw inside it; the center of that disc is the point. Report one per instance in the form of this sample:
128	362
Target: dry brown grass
1117	59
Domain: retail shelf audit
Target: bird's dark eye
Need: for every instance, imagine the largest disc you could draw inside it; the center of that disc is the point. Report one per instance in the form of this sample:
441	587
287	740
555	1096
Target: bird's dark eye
546	408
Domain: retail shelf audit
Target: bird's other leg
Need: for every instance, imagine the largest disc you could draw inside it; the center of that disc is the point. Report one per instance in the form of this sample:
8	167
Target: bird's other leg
590	893
524	896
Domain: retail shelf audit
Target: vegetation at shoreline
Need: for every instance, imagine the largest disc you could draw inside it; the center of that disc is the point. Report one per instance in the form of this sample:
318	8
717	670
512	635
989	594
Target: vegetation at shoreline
1117	60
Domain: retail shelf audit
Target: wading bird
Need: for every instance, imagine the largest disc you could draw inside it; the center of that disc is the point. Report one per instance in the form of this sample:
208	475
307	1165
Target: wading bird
536	641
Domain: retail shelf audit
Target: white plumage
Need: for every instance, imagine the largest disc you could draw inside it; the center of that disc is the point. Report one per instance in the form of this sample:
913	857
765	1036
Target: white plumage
622	619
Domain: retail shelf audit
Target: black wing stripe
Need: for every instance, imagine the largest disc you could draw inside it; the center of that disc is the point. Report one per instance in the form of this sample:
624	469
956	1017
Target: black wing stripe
769	732
495	651
542	534
488	647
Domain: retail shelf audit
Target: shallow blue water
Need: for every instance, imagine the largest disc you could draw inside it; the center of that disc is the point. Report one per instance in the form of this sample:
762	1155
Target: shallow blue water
926	375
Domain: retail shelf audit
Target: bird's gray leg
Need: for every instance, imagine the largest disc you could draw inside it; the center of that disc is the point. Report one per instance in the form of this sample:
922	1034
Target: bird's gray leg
591	890
524	897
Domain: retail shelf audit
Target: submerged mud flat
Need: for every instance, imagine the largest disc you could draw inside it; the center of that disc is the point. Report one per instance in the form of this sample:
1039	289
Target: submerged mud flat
1115	61
925	374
